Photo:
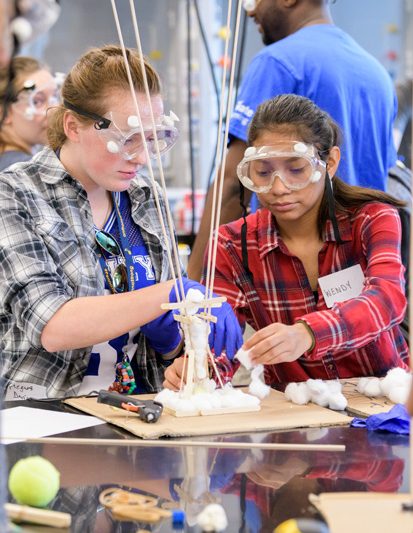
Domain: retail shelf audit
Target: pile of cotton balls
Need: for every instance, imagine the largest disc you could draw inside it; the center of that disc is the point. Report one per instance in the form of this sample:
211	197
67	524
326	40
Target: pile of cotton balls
395	385
257	386
323	393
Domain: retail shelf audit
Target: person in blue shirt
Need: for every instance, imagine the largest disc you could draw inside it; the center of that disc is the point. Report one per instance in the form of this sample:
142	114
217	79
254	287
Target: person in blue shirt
306	54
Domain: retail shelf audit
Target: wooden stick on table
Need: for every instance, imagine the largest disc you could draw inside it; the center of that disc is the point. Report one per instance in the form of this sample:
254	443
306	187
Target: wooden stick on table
178	443
44	517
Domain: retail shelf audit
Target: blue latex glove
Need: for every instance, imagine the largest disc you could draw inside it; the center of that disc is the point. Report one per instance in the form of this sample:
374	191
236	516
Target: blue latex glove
397	420
163	333
226	333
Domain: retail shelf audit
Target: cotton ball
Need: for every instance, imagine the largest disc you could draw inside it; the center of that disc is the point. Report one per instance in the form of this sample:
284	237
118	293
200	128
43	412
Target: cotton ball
373	388
316	386
259	389
399	394
34	481
257	386
361	385
322	399
395	377
319	392
243	357
337	402
193	298
213	518
334	386
298	393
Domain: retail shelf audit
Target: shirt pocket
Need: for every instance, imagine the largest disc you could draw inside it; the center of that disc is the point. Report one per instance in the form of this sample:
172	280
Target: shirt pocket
62	246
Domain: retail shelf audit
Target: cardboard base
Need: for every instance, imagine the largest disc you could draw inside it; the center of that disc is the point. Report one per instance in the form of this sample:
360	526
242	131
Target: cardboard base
276	413
361	405
360	512
209	412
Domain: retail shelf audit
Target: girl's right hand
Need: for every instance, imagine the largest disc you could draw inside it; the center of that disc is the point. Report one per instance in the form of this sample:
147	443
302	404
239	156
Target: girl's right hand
173	374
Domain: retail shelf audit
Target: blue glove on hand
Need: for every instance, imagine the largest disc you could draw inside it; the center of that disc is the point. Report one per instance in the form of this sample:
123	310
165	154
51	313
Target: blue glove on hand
163	333
226	333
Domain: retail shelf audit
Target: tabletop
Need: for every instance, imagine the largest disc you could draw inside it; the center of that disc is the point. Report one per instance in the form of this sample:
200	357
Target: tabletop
258	489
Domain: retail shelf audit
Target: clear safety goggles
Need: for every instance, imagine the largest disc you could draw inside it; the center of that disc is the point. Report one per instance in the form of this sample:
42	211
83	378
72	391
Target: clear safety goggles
129	141
35	100
295	163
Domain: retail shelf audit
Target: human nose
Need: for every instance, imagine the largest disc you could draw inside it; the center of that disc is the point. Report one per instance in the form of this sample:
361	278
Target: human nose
278	187
139	158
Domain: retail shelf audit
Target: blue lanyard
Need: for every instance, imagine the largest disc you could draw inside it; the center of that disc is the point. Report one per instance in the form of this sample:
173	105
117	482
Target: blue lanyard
126	249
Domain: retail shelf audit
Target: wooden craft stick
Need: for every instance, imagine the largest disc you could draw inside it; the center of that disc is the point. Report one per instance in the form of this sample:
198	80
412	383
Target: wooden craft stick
178	443
187	319
208	302
44	517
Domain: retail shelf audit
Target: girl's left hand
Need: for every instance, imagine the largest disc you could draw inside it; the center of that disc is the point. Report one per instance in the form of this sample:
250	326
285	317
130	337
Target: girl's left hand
278	343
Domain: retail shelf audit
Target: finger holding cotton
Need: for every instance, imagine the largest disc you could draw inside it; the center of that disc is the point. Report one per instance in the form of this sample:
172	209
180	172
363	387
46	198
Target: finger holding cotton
244	358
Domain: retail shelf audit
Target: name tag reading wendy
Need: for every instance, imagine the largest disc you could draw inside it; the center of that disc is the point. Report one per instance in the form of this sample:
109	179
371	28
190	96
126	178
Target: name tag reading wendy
342	286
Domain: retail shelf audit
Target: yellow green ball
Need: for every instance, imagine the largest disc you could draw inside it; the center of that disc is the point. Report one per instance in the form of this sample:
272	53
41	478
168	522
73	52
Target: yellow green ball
34	481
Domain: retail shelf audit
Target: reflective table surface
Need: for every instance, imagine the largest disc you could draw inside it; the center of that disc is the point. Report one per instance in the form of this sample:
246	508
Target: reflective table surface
259	489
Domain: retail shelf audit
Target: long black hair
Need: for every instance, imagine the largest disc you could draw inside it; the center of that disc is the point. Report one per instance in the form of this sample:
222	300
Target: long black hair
314	126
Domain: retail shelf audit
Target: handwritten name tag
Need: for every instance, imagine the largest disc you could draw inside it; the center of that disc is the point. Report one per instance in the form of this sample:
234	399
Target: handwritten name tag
342	286
23	390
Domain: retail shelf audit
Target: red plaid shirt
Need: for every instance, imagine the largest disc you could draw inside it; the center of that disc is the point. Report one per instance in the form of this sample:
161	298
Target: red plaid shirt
359	337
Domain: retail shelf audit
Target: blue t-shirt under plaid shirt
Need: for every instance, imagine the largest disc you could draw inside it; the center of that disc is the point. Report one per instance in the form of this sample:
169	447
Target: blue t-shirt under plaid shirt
100	373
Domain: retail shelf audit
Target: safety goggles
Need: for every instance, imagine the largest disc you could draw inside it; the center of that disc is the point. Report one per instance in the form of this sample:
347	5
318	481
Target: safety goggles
35	100
297	164
119	276
129	141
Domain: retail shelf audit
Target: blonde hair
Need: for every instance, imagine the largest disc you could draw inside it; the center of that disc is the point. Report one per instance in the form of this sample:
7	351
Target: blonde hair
20	68
95	74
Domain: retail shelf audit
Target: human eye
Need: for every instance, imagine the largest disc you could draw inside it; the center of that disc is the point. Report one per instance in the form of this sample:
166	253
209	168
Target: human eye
39	100
296	170
261	169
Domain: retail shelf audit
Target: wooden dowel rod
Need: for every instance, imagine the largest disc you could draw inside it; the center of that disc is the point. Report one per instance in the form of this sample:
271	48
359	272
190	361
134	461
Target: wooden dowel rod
178	443
44	517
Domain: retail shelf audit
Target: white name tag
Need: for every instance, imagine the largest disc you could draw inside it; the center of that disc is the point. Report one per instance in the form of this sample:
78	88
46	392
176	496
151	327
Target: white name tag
342	286
23	390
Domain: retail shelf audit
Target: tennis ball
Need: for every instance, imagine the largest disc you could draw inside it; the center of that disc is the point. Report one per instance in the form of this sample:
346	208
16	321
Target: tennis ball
34	481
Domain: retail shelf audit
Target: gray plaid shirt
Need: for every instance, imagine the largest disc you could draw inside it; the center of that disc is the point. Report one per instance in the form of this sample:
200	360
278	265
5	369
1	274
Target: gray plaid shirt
47	257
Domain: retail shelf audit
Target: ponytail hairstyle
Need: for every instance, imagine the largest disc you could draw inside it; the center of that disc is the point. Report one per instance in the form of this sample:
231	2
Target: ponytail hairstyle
95	74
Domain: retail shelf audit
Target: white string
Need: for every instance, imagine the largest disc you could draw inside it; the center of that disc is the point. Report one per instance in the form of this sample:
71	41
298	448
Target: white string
224	157
187	337
145	146
218	151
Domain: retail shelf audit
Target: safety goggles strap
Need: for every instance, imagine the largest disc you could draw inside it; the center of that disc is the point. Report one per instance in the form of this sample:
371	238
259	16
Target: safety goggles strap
101	123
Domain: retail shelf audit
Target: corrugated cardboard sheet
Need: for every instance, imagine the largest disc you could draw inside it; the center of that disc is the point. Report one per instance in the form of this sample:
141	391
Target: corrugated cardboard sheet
358	512
361	405
276	413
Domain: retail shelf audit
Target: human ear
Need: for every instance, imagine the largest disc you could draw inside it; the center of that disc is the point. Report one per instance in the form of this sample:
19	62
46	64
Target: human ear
333	160
71	126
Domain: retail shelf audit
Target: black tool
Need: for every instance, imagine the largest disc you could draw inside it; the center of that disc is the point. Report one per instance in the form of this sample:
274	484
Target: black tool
147	410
